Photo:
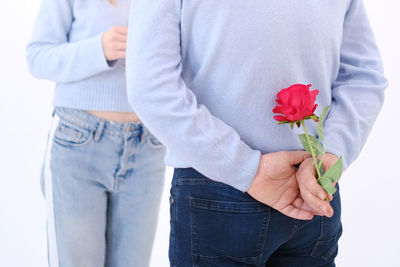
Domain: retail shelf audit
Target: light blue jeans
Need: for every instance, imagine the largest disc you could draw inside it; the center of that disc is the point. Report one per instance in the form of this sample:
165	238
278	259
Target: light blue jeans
102	182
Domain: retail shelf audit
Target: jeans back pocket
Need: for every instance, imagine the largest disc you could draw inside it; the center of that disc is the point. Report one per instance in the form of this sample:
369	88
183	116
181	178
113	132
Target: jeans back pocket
234	231
327	249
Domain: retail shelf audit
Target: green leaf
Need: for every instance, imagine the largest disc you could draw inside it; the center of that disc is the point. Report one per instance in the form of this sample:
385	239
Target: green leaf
320	125
335	171
327	185
324	112
316	145
291	125
314	118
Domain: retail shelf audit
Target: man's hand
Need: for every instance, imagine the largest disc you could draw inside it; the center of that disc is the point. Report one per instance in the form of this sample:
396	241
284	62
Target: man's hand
275	184
312	193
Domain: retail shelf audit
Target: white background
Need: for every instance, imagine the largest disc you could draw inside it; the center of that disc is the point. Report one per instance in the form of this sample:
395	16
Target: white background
369	188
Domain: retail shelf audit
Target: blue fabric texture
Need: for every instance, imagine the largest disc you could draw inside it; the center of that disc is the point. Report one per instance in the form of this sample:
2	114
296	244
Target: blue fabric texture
203	77
107	179
214	224
66	47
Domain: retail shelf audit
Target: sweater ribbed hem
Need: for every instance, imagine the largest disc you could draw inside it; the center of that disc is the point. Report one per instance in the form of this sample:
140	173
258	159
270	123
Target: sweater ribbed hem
93	95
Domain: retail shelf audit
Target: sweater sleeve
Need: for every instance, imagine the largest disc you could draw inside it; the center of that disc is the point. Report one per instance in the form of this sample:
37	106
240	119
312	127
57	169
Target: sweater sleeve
169	108
51	56
358	92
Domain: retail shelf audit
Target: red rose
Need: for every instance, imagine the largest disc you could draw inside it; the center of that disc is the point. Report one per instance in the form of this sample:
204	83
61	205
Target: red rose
296	103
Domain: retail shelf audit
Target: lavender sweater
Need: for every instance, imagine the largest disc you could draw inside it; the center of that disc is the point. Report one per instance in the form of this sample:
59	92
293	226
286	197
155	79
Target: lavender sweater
203	76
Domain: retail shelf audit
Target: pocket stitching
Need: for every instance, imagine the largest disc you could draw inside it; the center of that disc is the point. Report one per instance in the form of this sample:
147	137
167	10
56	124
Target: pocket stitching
216	205
263	232
317	247
86	135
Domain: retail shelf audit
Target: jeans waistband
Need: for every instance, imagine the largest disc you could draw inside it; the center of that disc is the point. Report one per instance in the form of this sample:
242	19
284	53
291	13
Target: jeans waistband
188	173
190	176
86	120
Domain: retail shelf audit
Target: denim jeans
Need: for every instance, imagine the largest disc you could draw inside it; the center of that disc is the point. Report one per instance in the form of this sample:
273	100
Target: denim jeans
102	182
213	224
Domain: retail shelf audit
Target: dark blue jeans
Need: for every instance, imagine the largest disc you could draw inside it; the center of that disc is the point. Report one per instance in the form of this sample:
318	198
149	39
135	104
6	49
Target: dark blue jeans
213	224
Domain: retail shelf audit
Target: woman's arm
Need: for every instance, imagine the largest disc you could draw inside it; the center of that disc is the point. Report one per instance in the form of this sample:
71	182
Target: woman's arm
51	56
169	108
358	92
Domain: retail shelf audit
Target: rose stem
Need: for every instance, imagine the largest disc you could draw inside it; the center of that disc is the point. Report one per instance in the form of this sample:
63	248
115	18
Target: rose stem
311	148
313	154
323	156
320	164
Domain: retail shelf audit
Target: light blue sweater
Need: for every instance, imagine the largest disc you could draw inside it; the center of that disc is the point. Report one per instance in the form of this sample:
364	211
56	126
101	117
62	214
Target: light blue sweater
203	76
66	47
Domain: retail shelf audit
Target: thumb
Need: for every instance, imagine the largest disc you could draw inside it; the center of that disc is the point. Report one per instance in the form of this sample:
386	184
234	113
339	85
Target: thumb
296	157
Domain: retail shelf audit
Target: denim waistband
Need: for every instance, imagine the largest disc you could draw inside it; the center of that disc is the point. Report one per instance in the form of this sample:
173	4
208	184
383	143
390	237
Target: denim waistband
86	120
188	173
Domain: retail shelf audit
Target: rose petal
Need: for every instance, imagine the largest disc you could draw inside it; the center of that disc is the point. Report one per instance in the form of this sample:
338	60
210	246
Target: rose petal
295	117
284	96
296	102
285	110
315	107
280	118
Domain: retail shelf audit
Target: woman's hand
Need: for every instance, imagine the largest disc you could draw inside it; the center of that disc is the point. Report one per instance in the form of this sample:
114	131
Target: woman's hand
275	184
114	43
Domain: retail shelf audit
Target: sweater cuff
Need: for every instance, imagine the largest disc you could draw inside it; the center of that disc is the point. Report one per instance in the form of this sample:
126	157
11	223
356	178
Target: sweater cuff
93	54
248	167
337	146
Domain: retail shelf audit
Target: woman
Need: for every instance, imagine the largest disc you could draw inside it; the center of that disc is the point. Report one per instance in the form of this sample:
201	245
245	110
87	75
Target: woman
203	76
103	174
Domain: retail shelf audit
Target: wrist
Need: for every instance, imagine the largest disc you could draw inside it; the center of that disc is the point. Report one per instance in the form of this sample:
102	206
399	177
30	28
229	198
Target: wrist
253	183
329	160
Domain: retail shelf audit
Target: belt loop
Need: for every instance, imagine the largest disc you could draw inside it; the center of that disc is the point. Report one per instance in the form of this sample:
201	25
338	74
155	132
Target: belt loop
143	134
99	131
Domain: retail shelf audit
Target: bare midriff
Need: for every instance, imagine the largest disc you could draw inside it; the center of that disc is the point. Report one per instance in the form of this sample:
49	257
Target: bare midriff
115	116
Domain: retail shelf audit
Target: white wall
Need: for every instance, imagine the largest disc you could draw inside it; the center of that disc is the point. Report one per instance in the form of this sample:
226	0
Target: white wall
370	187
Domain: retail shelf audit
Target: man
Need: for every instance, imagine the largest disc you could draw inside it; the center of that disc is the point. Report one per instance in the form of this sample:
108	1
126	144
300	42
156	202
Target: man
203	76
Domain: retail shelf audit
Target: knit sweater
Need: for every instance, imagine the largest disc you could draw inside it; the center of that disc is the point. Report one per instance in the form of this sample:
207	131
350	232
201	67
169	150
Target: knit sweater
66	47
203	76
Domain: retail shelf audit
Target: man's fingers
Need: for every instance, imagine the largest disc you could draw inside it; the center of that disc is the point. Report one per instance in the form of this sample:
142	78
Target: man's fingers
316	203
312	202
296	157
297	213
313	186
300	204
313	194
306	177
